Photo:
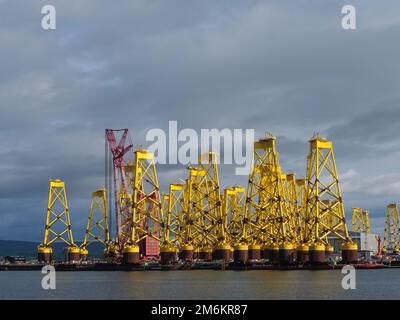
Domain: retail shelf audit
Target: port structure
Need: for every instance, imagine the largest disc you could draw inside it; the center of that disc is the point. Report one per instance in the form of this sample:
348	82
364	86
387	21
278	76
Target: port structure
146	218
58	224
205	228
300	206
295	194
173	213
292	202
290	197
268	224
192	212
137	200
325	210
391	240
360	220
97	229
166	224
122	200
197	229
279	218
214	220
233	208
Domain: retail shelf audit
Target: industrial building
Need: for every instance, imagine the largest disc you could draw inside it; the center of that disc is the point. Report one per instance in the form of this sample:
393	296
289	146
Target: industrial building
368	244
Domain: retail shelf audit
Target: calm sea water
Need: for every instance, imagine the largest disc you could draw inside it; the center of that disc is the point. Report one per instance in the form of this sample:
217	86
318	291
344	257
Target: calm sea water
202	284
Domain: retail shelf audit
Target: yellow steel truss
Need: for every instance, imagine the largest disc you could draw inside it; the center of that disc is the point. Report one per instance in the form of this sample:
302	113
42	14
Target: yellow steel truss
204	203
233	208
173	214
360	220
266	215
192	222
301	192
325	211
294	213
391	240
97	229
146	200
58	222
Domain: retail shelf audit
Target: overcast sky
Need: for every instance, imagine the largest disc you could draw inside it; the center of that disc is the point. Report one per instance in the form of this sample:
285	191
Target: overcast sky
277	66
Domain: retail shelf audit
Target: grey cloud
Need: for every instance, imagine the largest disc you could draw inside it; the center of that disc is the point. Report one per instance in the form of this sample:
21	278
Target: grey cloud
369	134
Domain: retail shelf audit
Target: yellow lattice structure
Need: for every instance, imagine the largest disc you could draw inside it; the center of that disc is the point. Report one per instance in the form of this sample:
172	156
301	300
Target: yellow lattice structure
146	216
205	200
360	220
193	222
301	193
173	213
294	213
58	223
391	240
97	229
267	218
146	213
165	234
325	211
234	205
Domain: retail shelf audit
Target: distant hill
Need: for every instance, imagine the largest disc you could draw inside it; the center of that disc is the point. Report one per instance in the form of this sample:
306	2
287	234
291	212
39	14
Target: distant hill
28	249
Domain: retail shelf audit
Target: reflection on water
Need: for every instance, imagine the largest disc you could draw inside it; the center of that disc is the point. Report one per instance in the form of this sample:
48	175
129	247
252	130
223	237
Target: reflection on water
202	284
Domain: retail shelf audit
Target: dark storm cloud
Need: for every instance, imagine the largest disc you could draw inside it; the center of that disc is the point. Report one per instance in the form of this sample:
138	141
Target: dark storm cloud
284	68
372	134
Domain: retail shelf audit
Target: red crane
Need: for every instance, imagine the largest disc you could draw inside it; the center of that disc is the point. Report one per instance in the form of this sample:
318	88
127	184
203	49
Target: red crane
378	238
123	208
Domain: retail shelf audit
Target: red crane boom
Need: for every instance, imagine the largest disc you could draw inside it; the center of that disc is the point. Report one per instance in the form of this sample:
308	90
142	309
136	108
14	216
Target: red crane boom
123	208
